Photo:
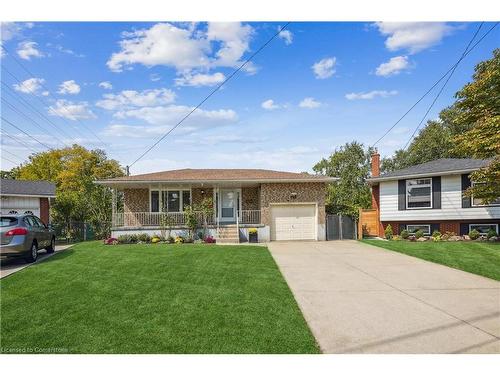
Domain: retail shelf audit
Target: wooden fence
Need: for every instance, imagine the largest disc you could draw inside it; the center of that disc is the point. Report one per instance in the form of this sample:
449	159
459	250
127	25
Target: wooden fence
368	224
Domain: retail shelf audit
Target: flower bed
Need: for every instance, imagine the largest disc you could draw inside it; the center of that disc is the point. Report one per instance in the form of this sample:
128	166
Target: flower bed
144	238
437	236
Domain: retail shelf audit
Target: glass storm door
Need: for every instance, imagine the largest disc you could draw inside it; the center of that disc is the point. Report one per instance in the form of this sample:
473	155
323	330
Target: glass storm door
228	205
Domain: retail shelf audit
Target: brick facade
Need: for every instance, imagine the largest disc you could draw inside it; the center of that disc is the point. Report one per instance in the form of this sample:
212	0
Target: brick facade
44	210
136	200
250	198
198	194
311	192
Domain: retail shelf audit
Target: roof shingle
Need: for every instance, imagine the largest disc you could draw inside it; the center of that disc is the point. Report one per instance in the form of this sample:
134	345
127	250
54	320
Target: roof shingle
23	187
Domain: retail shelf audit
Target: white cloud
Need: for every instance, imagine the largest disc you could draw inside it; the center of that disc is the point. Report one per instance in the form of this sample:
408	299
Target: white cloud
106	85
393	67
170	115
30	86
219	139
27	50
154	77
69	87
270	105
309	103
184	48
64	50
287	36
325	68
11	30
198	80
370	95
413	36
129	98
70	110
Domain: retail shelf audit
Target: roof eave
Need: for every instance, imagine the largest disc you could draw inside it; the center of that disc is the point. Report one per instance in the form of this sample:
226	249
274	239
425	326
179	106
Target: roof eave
219	181
417	175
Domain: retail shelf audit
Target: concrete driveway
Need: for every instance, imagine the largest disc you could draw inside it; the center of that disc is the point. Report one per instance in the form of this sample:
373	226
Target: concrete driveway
359	298
10	266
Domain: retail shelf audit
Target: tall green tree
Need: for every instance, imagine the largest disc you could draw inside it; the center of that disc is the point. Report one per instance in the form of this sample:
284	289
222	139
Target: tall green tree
74	170
350	162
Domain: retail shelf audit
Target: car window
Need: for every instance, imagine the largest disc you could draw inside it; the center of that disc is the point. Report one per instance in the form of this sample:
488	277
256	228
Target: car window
7	221
38	222
29	221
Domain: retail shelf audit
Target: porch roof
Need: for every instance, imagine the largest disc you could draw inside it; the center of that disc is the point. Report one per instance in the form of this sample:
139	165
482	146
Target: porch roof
215	176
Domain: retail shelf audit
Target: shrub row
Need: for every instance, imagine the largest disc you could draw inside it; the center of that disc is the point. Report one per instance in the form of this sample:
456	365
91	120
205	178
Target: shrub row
144	238
437	236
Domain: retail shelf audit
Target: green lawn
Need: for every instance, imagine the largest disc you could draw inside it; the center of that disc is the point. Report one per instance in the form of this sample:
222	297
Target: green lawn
153	299
481	258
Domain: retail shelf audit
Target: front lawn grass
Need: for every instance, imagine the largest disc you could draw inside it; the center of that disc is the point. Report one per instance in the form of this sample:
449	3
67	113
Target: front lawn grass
158	298
481	258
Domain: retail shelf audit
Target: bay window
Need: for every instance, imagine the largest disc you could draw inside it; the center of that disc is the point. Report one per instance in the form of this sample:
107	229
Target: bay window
419	193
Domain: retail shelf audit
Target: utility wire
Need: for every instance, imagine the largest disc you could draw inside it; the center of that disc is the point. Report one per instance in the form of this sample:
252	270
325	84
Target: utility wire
208	96
444	85
18	128
13	162
27	104
433	86
43	86
11	153
14	109
21	142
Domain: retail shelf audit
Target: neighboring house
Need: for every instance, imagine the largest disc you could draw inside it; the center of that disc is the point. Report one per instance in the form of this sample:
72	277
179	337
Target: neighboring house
32	197
281	205
430	196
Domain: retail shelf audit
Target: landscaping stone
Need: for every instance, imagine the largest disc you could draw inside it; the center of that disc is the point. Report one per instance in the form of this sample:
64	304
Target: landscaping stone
455	238
422	239
493	239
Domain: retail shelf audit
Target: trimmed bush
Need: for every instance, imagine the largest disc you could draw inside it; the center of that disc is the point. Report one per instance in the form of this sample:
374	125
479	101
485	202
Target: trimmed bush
436	234
144	237
388	232
474	234
419	234
405	234
491	233
179	239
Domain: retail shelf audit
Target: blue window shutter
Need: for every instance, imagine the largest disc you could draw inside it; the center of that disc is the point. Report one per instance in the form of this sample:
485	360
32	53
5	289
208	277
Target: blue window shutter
401	195
436	192
434	227
466	201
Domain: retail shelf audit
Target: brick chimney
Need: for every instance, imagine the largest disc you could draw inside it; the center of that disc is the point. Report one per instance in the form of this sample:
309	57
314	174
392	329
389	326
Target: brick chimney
375	164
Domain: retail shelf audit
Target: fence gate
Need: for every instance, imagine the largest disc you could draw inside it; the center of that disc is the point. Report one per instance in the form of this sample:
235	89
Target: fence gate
339	227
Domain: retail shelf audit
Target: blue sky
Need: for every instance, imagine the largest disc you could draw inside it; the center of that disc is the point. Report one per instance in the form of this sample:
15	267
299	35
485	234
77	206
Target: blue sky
315	87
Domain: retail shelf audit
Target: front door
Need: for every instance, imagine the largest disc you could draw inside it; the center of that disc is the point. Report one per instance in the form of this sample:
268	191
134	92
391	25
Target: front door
228	205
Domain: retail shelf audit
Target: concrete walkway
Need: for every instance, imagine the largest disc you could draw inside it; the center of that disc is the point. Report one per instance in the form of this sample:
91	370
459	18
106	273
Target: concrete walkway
359	298
10	266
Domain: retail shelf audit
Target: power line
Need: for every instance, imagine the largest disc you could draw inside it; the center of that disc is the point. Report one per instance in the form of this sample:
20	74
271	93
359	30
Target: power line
27	104
209	95
21	130
11	153
13	162
13	108
22	143
41	84
433	86
444	85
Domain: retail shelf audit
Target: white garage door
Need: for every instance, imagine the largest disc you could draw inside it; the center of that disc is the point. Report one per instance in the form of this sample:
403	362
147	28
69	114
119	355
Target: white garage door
293	222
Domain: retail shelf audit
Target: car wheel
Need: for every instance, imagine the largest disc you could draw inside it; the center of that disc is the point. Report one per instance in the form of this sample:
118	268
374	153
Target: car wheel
33	253
50	249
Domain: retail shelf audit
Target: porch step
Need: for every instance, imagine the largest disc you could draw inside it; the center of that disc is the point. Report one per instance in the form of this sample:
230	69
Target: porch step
228	234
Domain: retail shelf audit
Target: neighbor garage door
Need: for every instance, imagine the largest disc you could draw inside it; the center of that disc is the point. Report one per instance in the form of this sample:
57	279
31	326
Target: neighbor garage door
293	222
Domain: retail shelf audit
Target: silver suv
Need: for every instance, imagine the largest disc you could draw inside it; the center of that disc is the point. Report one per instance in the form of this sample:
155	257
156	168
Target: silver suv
23	236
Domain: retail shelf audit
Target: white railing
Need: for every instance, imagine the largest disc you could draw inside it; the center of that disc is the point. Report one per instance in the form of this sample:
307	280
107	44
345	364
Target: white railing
153	219
249	217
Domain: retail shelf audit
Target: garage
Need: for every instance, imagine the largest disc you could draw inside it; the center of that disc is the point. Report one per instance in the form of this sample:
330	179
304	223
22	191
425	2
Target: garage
293	222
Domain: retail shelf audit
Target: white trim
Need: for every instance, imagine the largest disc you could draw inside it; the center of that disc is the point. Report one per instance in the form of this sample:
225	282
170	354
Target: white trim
419	175
27	195
476	224
419	225
406	194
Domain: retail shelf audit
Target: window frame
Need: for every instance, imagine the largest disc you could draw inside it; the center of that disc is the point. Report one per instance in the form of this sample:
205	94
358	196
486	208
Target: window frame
478	224
430	195
419	225
160	199
472	183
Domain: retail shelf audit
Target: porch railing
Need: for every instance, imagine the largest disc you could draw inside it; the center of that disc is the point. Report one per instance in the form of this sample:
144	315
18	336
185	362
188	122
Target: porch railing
153	219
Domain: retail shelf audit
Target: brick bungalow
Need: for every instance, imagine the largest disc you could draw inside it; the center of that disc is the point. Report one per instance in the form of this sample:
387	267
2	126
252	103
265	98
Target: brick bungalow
280	205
